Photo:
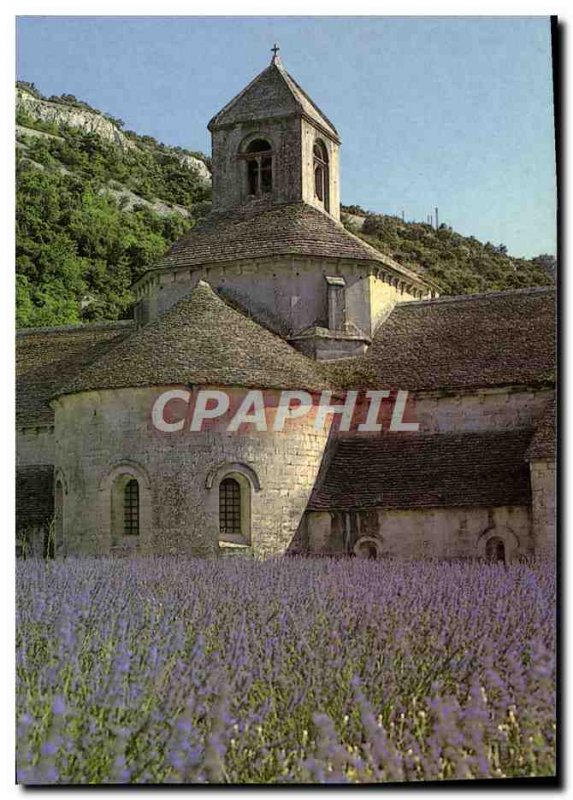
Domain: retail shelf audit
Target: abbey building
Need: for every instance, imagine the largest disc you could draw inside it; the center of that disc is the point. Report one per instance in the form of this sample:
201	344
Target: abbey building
272	293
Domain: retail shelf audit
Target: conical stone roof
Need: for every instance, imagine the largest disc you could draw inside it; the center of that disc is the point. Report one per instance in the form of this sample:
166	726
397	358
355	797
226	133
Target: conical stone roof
201	341
286	229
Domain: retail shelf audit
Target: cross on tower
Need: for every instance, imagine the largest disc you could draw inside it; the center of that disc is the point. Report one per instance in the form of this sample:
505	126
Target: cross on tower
275	49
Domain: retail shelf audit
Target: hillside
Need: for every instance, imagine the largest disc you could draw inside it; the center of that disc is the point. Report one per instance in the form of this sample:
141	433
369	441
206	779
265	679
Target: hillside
98	205
95	207
458	264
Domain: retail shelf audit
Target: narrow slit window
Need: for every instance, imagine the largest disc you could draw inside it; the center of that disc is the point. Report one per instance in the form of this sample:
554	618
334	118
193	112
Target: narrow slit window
229	506
131	508
321	181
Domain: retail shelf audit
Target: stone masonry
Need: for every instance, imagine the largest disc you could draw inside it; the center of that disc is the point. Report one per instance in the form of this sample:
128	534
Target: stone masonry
270	292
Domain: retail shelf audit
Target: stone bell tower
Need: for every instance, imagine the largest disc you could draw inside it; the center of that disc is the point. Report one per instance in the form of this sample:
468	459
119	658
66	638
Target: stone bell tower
273	243
271	145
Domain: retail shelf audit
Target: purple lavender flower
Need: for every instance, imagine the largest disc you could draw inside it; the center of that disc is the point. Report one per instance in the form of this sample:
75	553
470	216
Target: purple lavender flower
285	670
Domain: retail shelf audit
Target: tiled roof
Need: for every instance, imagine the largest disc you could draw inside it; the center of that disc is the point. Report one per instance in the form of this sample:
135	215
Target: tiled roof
544	445
288	229
411	470
34	495
273	93
201	340
496	339
47	357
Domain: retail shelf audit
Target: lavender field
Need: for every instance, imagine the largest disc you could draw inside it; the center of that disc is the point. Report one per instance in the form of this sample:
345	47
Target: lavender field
292	670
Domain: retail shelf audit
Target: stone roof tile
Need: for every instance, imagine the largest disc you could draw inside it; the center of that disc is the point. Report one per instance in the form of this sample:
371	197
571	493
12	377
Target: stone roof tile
201	340
412	470
495	339
287	229
544	445
47	357
272	93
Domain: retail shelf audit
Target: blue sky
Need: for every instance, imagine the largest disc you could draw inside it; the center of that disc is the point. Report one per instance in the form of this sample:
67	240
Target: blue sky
432	111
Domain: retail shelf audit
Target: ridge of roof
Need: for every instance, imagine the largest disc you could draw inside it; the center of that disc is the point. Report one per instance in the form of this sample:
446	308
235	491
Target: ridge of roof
460	298
200	340
521	432
296	88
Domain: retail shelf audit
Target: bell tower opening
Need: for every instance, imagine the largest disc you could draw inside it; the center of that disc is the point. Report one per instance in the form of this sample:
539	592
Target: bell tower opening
273	144
258	156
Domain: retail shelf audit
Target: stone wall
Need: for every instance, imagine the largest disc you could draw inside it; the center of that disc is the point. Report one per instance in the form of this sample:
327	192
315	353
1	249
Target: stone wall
286	293
230	188
383	296
482	410
444	533
544	506
309	134
292	140
99	435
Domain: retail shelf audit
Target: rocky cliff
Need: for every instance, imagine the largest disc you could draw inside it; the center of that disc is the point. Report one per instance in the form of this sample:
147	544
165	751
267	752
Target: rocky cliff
92	122
73	117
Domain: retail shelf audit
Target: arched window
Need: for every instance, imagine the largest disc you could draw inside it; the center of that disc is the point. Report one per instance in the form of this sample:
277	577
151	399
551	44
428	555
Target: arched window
320	164
230	507
495	549
259	167
125	507
231	486
131	508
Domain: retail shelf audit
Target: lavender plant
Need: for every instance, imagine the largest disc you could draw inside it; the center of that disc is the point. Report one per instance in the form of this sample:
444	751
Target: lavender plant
285	670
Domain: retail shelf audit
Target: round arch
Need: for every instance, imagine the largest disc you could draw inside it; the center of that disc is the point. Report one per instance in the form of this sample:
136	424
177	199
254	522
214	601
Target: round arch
119	500
319	150
125	466
247	143
367	547
492	538
231	486
216	474
495	549
256	153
